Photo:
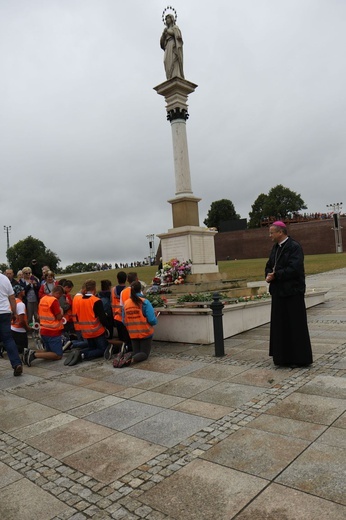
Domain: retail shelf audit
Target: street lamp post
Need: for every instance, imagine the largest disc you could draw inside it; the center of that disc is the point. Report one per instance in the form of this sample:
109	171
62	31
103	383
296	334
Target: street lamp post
151	239
336	207
7	230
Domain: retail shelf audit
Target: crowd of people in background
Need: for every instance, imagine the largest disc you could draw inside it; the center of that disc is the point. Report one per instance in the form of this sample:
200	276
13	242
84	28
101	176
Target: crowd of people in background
297	217
89	325
121	265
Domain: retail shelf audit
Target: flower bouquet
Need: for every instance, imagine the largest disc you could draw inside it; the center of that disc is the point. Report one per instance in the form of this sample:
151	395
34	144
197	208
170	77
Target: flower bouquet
174	272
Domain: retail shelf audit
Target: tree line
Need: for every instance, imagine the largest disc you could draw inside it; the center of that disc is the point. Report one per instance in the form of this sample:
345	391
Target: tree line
279	203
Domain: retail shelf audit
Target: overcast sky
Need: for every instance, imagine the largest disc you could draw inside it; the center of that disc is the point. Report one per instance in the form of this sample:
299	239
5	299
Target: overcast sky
85	149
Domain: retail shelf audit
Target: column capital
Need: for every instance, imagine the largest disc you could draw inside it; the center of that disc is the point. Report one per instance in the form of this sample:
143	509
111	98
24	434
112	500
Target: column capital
175	92
177	113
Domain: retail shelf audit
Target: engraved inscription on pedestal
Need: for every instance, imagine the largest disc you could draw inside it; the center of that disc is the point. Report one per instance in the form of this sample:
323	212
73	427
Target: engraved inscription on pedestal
176	247
203	249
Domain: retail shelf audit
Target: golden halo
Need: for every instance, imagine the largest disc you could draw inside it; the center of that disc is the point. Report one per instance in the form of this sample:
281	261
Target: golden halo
173	11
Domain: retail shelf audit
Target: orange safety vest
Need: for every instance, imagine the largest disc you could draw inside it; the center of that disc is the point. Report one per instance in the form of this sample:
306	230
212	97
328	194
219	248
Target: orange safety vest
75	305
125	294
89	325
68	314
47	318
116	307
15	324
135	321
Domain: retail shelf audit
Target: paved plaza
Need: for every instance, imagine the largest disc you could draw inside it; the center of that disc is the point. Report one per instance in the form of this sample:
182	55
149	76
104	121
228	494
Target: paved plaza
183	435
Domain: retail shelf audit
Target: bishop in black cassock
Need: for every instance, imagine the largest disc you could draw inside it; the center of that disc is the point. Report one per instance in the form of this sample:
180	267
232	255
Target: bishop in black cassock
289	334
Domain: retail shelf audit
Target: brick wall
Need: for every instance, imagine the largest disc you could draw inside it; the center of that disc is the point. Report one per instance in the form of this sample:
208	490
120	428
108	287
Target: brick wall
316	237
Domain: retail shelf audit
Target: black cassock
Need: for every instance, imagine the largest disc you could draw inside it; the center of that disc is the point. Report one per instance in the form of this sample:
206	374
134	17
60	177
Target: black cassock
289	335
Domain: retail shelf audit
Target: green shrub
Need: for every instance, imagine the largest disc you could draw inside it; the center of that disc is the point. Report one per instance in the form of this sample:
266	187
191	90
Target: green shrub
156	300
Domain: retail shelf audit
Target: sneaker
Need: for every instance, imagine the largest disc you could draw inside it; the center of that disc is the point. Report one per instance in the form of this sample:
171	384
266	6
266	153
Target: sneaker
29	356
76	358
117	359
67	346
18	370
69	357
108	352
125	360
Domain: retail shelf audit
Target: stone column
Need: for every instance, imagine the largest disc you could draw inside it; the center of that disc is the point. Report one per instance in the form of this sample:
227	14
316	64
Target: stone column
185	204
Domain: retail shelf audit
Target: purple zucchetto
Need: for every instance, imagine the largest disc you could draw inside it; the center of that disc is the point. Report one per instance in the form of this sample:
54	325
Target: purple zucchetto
279	223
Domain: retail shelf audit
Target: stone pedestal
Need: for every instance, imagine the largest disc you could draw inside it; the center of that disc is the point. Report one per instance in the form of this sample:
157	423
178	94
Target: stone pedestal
185	211
190	243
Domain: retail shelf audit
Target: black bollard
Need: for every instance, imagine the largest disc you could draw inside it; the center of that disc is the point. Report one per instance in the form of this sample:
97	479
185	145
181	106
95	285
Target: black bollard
216	307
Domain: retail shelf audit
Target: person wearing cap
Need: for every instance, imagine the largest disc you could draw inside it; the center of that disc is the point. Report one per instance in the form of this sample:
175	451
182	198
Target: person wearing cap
19	326
35	268
289	334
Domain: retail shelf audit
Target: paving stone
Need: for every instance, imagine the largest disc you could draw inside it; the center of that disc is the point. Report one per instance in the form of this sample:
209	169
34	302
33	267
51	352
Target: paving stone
24	416
96	370
327	386
8	475
217	372
341	421
145	379
8	401
334	437
41	427
185	386
260	453
229	394
95	406
14	384
124	414
282	425
68	400
105	460
263	377
282	503
42	389
312	408
157	399
168	427
202	490
69	438
105	387
320	471
23	499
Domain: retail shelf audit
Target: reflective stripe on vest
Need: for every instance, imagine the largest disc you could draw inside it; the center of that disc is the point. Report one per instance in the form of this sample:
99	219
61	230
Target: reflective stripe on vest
89	325
47	318
135	321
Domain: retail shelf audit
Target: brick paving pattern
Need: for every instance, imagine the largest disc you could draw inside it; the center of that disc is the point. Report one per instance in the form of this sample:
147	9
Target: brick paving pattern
183	435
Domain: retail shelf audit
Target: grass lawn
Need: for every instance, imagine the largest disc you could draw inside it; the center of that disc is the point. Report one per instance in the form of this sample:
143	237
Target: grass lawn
249	270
